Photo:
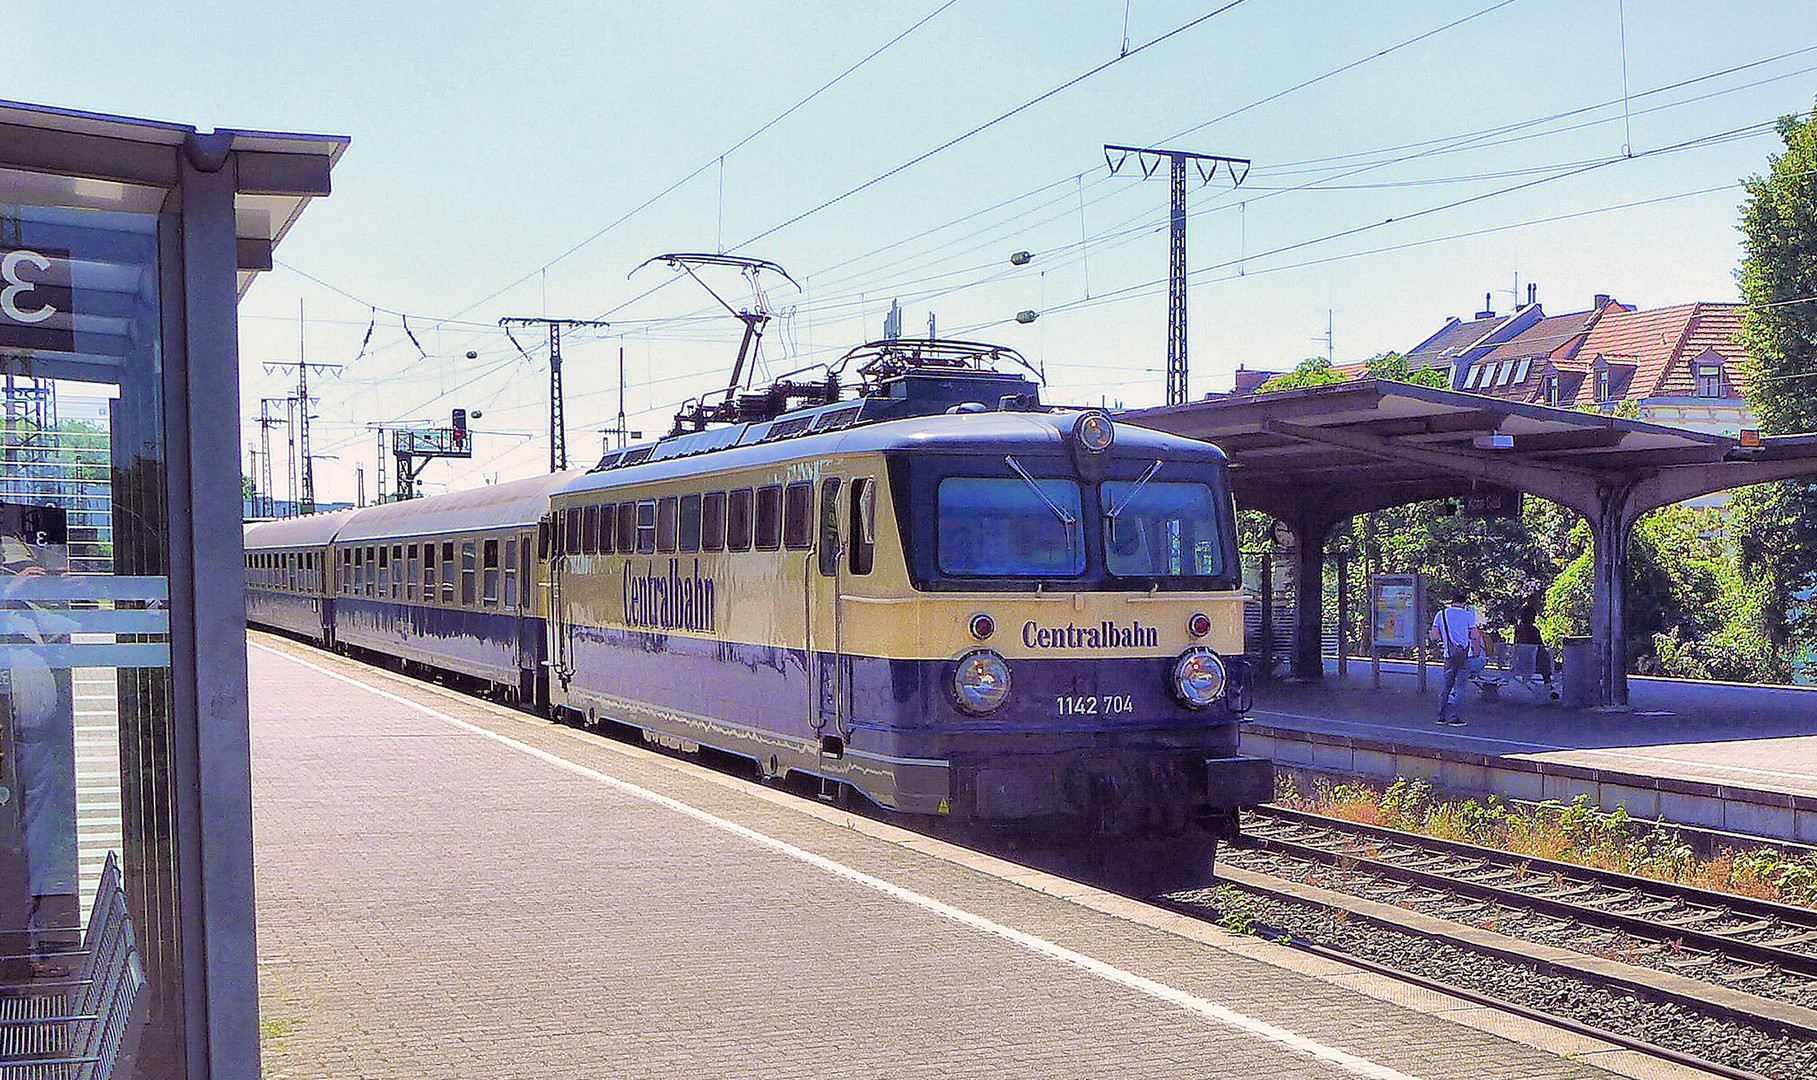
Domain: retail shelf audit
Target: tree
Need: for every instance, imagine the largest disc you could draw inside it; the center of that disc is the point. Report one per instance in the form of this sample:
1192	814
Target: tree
1312	371
1395	366
1777	523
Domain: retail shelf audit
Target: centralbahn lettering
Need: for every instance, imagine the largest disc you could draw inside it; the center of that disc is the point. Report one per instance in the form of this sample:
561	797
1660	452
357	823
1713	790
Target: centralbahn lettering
1105	635
668	601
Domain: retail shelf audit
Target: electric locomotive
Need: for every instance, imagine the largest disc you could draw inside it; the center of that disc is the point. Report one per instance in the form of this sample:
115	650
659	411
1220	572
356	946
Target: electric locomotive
1018	625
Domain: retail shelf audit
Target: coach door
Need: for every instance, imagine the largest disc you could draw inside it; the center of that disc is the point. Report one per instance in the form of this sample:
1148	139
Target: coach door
830	706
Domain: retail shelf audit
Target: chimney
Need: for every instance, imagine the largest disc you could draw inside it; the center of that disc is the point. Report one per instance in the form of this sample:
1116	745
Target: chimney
1246	381
1488	312
1602	299
1532	294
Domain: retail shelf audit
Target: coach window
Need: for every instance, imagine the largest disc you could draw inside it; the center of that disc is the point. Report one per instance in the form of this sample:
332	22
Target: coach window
864	524
646	526
608	529
769	517
428	573
829	526
397	571
510	572
738	520
354	583
713	521
448	572
372	569
575	517
341	571
798	516
690	523
589	531
489	556
467	572
665	523
627	527
413	572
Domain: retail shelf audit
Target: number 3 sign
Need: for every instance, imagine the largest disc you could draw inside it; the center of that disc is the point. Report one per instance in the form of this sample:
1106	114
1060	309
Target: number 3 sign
35	299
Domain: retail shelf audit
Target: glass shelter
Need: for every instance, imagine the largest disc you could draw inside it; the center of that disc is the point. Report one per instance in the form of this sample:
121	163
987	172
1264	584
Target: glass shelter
127	943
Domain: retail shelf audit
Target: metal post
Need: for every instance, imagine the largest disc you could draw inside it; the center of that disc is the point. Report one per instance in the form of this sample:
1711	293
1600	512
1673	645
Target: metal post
558	427
1266	588
1419	625
1150	160
1343	562
1176	286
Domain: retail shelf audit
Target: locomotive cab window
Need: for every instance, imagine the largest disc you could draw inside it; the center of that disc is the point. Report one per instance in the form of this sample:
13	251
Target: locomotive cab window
666	523
1008	527
627	527
769	517
1160	529
713	521
864	525
798	516
829	526
738	520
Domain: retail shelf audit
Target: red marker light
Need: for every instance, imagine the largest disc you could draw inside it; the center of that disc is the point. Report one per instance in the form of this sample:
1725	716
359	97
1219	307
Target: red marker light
983	626
1199	624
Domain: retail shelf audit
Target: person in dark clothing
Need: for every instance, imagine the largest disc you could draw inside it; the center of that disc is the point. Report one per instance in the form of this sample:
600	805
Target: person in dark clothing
1526	633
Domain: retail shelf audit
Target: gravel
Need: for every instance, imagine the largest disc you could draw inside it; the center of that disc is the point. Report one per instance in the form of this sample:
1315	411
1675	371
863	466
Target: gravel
1662	1024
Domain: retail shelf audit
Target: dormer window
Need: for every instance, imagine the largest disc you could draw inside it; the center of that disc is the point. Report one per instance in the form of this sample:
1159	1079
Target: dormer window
1709	380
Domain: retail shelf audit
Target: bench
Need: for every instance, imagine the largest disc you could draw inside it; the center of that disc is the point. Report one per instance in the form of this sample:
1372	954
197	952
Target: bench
71	1028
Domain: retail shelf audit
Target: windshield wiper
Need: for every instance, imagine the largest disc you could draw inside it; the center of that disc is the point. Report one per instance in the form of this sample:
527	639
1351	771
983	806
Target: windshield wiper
1066	519
1127	499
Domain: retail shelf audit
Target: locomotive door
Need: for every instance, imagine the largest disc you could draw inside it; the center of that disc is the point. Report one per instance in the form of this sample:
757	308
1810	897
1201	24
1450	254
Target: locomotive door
829	708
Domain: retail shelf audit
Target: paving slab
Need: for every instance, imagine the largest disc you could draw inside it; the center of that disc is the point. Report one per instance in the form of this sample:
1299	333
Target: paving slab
448	889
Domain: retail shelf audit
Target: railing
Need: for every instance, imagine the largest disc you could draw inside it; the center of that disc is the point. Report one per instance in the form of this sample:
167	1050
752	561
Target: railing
71	1027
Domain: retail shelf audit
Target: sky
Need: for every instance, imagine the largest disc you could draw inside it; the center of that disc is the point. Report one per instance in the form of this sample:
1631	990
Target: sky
1409	162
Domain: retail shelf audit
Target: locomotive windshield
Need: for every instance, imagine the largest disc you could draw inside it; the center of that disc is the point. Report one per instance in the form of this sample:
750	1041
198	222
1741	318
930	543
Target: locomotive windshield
1009	527
1160	529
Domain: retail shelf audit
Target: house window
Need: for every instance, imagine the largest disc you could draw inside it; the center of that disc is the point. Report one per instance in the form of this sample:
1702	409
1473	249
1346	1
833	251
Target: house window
1520	370
1602	385
1709	381
1552	395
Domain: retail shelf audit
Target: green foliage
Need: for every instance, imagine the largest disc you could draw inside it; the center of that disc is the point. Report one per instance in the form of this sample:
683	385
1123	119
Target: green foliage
1393	365
1312	371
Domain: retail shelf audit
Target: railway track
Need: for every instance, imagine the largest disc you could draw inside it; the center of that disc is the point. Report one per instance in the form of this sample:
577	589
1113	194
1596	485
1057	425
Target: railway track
1711	979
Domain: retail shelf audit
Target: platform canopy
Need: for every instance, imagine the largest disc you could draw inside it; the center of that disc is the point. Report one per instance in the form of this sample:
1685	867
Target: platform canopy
1316	457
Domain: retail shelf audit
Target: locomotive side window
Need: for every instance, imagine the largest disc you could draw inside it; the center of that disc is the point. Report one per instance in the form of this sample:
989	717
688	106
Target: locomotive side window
607	528
829	526
489	562
627	527
646	526
665	523
769	517
1160	529
738	520
690	523
448	572
510	572
1008	527
713	521
542	539
798	516
589	530
467	572
574	531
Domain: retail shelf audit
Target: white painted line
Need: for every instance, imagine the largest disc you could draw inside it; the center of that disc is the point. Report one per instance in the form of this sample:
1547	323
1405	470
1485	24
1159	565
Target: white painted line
1107	972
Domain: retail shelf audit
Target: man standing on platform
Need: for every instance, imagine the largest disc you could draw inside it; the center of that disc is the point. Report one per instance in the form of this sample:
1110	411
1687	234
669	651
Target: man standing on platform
1466	653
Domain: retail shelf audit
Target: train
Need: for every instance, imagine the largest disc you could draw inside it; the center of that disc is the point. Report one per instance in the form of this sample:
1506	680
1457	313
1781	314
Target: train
1017	625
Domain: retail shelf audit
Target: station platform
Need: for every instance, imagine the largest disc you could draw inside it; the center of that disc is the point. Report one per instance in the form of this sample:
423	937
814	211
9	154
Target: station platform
1717	755
451	889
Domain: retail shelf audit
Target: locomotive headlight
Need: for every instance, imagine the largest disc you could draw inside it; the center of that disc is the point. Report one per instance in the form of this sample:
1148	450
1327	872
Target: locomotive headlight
980	682
1094	432
1198	677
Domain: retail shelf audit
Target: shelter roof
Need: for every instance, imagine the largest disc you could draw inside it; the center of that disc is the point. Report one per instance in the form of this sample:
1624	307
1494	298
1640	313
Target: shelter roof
1382	443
